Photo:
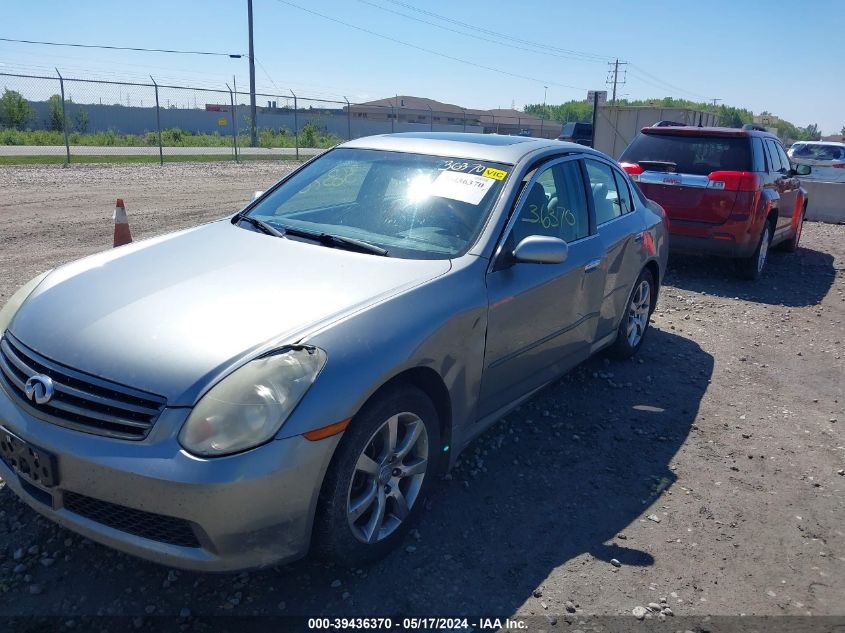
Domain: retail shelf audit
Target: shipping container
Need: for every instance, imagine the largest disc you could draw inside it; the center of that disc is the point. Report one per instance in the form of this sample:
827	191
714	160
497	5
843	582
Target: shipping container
616	127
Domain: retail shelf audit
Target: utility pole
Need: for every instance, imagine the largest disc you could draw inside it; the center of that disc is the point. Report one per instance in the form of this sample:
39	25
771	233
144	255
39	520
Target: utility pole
545	90
253	135
613	77
715	101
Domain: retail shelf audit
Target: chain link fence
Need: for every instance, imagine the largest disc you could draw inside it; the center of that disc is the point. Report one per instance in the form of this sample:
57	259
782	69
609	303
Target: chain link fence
71	119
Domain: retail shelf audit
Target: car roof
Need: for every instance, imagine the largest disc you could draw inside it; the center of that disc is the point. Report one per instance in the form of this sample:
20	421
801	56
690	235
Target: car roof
497	148
694	130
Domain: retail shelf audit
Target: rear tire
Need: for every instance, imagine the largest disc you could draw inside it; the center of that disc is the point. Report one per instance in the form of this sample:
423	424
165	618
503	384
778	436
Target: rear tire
379	477
634	323
751	268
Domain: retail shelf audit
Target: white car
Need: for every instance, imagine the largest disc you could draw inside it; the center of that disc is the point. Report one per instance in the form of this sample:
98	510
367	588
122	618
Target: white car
825	157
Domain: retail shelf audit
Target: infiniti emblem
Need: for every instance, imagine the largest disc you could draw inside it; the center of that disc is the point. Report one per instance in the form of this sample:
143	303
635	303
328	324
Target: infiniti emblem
39	389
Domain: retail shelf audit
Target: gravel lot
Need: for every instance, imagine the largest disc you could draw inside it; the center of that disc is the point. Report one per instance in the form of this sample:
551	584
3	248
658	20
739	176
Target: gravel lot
706	472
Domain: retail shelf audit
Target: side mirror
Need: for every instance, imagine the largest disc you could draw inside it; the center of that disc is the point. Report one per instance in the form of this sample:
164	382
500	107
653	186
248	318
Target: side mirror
541	249
256	195
802	170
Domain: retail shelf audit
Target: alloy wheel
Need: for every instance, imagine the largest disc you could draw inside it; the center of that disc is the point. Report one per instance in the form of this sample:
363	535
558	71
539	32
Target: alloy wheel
388	476
638	312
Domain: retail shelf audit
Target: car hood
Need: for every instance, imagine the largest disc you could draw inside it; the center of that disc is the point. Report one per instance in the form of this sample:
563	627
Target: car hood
173	314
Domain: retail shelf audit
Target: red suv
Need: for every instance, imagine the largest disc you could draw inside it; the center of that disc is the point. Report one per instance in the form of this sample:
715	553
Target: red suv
726	191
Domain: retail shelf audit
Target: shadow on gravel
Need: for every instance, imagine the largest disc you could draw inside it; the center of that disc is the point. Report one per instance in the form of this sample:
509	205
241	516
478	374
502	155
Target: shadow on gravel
558	480
798	279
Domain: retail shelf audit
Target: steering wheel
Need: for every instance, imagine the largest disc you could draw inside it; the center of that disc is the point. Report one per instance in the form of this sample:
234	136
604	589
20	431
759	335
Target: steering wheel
446	213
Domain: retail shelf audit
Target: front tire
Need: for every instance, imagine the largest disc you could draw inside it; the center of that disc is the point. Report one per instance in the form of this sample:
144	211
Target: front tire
751	268
377	482
634	323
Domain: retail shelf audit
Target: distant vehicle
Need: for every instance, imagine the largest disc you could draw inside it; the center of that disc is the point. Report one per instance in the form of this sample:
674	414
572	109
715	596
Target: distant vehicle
726	191
306	368
669	124
581	133
826	158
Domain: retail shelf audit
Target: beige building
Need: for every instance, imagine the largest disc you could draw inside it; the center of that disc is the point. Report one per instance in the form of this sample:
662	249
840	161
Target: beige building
404	109
766	120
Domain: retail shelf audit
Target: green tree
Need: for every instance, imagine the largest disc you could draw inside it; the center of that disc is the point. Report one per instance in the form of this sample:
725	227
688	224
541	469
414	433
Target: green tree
55	117
15	111
81	121
842	131
812	132
308	135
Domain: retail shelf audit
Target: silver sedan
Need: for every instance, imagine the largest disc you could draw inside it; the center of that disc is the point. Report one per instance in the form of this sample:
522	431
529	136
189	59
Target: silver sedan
296	376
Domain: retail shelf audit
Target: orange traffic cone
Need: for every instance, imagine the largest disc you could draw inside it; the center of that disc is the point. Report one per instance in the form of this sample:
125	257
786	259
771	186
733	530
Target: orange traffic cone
121	224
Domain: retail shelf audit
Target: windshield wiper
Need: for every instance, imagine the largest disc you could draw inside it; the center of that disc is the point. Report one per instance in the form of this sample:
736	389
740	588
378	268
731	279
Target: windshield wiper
261	225
327	239
338	241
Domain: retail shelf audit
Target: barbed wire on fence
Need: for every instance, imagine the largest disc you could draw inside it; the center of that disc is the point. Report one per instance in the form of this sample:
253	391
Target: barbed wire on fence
80	118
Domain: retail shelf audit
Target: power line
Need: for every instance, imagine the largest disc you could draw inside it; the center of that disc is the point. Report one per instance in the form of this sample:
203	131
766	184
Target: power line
542	49
638	71
427	50
474	27
479	37
123	48
264	70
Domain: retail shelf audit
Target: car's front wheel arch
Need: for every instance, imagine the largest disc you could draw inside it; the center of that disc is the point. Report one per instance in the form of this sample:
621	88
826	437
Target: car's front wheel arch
431	384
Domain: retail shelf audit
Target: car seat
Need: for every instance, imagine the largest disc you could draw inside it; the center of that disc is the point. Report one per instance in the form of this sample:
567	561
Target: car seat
605	209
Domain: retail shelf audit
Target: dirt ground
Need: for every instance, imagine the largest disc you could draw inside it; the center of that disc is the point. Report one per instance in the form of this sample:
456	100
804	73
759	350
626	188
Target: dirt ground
709	468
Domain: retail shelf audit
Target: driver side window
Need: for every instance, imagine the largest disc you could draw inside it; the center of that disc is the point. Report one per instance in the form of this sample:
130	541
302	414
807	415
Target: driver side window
555	206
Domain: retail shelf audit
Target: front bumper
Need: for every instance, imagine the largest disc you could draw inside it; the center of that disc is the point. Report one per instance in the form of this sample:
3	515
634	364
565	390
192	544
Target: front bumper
248	510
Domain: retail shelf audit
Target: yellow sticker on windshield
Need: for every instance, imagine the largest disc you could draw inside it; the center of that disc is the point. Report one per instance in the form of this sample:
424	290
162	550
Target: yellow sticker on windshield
496	174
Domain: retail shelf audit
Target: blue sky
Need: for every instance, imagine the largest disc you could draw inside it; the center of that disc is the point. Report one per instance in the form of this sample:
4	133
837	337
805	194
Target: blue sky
785	57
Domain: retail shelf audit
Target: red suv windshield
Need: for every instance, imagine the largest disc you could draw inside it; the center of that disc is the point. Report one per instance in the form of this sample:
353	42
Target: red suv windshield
700	155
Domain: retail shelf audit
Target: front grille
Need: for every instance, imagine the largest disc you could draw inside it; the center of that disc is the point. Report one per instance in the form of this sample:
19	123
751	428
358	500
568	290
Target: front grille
155	527
80	401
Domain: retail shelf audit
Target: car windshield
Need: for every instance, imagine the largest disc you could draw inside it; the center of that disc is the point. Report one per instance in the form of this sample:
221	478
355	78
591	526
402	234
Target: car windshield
689	154
414	206
819	152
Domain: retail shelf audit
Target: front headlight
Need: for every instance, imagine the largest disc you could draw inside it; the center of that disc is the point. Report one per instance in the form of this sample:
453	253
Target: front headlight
248	407
16	300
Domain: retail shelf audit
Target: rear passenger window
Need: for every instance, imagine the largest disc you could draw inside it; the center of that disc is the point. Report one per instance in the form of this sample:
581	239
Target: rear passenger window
625	201
606	199
784	159
556	206
774	157
757	153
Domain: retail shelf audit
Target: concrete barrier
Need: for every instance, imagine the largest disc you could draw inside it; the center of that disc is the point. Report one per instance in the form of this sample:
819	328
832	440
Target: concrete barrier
827	201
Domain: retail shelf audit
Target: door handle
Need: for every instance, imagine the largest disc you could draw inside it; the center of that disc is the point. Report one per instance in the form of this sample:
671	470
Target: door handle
593	265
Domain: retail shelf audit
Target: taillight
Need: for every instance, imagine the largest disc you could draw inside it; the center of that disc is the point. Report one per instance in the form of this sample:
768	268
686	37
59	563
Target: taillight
839	165
733	181
633	169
